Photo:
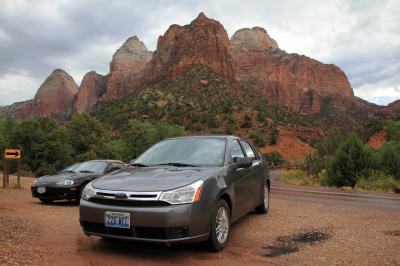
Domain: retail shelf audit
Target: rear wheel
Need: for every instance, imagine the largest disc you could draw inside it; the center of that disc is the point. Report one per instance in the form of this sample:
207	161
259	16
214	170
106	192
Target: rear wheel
264	206
46	201
220	227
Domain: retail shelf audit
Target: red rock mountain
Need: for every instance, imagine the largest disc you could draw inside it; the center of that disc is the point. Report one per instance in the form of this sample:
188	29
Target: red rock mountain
204	41
54	98
251	58
127	68
93	86
289	79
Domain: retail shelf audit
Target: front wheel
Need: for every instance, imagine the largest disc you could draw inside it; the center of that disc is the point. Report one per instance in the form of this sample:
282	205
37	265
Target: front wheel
264	206
220	227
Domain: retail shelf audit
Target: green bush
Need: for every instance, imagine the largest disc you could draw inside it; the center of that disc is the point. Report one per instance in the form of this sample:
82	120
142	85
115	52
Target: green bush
247	123
273	135
296	177
275	158
349	161
377	181
387	158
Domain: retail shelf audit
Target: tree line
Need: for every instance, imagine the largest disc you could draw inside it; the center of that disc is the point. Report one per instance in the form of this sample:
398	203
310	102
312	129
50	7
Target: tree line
345	161
48	146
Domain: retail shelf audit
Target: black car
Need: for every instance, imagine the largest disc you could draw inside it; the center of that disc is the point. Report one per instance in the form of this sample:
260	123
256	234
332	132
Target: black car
183	189
69	182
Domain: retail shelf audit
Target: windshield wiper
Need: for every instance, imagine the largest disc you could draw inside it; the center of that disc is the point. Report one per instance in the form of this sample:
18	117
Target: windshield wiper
139	164
178	164
86	171
68	171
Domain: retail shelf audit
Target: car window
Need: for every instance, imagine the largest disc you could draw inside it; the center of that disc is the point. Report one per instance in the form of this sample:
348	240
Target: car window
235	149
247	148
116	166
207	151
92	167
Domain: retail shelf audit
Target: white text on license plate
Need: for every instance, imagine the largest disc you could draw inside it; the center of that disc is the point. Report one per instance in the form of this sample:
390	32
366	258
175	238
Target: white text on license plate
117	219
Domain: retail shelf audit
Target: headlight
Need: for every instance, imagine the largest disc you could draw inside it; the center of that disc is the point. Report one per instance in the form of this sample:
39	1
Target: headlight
35	181
88	192
65	182
188	194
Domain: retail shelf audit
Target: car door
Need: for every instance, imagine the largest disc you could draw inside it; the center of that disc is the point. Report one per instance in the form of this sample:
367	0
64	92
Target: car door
241	181
255	174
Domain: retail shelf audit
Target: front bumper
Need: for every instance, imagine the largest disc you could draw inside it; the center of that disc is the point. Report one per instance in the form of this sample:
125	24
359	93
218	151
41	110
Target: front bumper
163	224
56	193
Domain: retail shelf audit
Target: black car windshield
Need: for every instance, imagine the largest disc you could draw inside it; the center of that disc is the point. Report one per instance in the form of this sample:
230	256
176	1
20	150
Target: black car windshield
185	152
91	167
70	168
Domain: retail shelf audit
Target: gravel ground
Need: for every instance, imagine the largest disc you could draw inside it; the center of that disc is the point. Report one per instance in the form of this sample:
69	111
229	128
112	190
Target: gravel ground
291	234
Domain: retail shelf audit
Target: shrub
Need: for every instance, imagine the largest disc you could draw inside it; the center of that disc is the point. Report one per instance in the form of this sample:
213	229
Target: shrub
348	162
377	181
296	177
275	158
273	135
247	123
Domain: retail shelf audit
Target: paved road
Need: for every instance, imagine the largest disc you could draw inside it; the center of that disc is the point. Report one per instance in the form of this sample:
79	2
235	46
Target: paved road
332	196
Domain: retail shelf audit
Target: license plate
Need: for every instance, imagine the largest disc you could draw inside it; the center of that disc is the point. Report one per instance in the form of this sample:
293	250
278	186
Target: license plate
41	190
118	219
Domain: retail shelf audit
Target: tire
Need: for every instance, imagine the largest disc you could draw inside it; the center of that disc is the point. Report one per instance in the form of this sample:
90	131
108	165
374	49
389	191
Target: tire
46	201
263	208
221	217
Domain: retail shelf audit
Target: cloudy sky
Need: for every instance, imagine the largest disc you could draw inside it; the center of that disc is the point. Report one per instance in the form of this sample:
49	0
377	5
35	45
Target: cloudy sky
361	37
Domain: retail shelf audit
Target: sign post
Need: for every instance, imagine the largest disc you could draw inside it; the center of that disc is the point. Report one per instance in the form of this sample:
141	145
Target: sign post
11	154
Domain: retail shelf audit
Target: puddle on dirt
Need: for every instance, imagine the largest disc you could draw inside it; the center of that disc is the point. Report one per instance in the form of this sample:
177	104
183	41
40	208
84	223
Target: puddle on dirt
288	244
392	233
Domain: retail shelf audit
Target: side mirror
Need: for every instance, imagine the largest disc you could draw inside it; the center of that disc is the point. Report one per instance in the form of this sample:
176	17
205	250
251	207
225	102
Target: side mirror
132	161
243	162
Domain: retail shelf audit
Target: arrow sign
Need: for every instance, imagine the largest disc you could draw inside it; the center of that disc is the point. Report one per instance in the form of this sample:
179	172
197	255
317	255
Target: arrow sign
12	154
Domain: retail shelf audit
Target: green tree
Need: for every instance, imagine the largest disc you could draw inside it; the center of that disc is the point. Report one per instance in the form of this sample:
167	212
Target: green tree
45	145
247	123
387	158
89	138
349	161
273	135
393	130
142	135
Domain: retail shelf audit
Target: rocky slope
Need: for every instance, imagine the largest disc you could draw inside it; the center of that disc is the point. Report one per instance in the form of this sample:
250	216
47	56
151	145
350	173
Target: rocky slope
127	68
289	79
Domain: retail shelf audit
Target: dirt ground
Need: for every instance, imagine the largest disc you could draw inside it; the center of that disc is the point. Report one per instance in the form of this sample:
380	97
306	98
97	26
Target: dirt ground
32	233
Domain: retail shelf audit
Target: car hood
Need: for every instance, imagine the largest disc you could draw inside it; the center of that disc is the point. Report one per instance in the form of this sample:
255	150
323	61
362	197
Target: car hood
50	179
141	179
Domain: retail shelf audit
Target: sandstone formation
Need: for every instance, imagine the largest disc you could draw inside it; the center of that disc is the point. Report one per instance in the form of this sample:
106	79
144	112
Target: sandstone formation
204	41
93	86
126	68
55	97
20	110
289	79
256	38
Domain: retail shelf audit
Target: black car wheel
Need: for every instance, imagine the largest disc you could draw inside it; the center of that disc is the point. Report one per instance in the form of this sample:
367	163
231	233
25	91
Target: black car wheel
46	201
220	227
264	206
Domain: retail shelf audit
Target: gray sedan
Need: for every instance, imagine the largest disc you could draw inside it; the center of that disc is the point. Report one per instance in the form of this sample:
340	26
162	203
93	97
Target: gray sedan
184	189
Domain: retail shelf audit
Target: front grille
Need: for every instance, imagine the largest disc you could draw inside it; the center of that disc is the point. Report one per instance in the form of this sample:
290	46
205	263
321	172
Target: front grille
140	232
102	229
129	203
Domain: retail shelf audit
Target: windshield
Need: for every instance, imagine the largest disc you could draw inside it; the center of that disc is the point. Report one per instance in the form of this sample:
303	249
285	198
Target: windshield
91	167
185	152
70	168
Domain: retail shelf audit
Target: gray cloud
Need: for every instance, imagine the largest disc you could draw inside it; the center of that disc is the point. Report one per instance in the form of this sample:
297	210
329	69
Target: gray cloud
361	37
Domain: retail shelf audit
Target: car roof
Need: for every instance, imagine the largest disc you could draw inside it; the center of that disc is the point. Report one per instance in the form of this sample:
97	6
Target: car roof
207	136
107	160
